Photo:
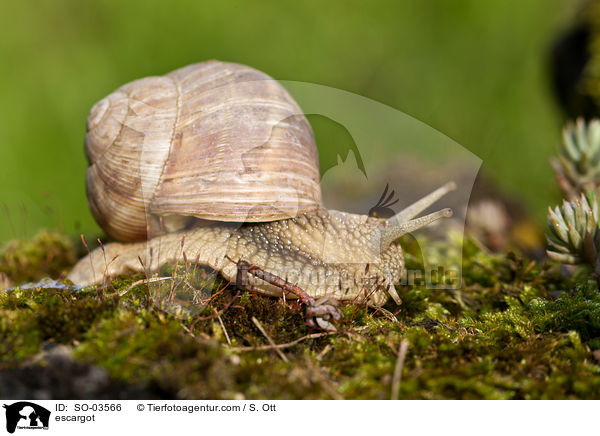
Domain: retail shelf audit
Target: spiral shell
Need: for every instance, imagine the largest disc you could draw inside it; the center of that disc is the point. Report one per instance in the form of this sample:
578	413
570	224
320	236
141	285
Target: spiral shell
213	140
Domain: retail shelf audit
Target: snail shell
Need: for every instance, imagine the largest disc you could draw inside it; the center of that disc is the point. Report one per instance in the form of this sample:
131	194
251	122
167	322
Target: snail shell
213	140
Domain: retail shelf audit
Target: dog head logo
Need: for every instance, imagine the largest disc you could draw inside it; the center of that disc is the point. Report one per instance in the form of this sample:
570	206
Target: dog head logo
26	415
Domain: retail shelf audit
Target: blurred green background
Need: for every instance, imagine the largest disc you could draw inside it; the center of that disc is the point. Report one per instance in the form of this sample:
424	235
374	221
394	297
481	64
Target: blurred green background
474	70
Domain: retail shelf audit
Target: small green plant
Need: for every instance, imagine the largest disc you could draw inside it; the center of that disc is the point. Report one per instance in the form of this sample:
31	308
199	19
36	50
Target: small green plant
574	238
577	167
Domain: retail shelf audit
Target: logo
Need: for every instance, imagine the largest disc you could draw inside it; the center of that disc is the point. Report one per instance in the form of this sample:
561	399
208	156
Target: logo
26	415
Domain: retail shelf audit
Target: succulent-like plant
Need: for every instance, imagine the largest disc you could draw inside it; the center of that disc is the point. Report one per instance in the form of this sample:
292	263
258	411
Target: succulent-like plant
575	233
577	167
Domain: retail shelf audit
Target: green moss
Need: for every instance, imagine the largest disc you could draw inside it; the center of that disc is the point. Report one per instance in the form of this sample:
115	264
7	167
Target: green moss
151	348
31	316
17	338
515	329
46	254
578	311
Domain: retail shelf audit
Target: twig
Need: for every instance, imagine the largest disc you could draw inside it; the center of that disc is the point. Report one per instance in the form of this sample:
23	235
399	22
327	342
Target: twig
144	282
398	369
322	354
202	337
294	342
224	329
262	330
188	331
282	346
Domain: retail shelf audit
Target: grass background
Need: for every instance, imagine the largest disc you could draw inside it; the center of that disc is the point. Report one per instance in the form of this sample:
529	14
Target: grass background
476	71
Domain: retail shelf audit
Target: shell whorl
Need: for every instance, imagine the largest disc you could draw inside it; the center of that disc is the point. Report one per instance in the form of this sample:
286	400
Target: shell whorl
213	140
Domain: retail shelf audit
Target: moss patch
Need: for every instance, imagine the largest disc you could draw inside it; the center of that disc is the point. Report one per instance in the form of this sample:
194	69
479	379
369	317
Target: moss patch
46	254
515	329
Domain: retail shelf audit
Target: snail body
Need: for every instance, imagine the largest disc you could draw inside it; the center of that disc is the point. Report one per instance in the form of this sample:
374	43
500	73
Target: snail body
245	163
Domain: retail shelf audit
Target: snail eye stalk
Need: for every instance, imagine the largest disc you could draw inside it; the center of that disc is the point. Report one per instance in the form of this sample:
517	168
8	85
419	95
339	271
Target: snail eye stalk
405	222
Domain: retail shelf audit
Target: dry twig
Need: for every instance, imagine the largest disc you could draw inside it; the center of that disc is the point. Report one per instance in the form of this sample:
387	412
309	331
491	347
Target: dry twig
144	282
282	346
294	342
398	369
224	329
323	352
264	332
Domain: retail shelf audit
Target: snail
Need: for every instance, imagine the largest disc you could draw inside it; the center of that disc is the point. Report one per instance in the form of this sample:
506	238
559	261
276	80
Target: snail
217	160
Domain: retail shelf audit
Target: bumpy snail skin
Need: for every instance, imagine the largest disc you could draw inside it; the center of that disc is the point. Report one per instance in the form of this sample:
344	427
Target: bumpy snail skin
326	253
